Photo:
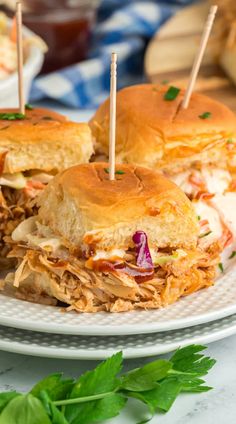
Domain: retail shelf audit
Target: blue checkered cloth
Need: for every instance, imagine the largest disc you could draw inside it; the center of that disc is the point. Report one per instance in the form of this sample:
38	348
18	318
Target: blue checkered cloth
124	26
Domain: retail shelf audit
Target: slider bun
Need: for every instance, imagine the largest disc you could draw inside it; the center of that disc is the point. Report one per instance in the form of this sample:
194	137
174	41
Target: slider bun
154	132
45	140
83	206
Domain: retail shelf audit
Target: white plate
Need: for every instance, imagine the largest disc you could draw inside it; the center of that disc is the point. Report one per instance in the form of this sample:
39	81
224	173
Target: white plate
82	347
207	305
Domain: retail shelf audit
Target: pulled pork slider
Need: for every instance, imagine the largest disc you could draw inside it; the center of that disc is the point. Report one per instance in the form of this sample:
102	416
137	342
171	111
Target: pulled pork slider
195	147
33	148
101	245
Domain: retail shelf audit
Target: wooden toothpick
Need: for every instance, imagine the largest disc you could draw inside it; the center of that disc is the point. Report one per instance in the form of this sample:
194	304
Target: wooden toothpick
199	55
112	134
20	57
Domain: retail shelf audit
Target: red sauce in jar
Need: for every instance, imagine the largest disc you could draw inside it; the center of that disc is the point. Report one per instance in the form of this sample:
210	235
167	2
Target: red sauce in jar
64	25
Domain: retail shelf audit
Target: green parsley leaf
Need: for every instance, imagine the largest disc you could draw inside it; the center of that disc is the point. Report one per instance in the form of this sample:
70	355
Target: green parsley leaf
190	383
233	254
103	379
118	172
171	93
6	397
148	397
54	385
205	115
28	106
162	397
230	141
188	364
100	394
10	116
145	378
166	393
188	360
199	218
104	409
55	415
25	409
221	267
205	234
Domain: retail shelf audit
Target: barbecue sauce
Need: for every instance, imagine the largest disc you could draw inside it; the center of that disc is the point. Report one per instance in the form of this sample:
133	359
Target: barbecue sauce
139	274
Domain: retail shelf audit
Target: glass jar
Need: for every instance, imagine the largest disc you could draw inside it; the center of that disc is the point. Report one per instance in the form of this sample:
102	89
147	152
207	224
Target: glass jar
65	25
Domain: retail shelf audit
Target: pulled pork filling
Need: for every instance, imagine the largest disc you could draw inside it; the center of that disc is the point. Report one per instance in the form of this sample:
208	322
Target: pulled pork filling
50	272
17	203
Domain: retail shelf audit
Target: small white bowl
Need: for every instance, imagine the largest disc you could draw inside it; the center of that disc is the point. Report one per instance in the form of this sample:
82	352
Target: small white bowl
32	66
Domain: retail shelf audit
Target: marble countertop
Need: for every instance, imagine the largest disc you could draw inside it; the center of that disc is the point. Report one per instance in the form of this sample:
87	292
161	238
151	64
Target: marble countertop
217	406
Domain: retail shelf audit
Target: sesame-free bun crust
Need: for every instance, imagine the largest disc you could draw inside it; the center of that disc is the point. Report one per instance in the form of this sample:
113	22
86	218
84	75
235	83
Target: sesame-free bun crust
45	140
84	207
155	132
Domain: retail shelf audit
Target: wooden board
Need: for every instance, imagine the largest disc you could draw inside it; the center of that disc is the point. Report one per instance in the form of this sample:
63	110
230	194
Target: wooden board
170	54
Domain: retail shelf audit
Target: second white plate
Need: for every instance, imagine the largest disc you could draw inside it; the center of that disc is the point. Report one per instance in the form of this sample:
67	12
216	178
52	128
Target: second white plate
207	305
136	346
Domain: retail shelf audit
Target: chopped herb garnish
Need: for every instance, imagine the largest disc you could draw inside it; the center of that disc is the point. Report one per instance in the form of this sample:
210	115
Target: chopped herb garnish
221	267
47	118
164	82
205	234
230	141
29	106
205	115
118	172
199	218
233	254
171	93
10	116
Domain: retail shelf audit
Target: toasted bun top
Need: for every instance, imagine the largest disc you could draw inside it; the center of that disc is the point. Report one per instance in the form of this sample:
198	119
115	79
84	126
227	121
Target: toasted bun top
154	132
82	205
44	140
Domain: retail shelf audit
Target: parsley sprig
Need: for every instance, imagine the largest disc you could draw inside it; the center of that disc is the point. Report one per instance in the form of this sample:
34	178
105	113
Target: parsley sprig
101	394
205	115
11	116
233	254
118	172
28	106
171	93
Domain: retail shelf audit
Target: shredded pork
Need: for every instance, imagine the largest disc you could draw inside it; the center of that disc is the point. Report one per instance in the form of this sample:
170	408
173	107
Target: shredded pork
44	278
15	207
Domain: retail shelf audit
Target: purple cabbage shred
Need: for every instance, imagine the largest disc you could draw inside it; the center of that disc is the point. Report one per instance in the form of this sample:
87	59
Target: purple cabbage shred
143	255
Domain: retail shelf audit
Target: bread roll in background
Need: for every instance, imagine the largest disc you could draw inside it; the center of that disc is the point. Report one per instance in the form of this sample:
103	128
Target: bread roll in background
44	140
33	148
158	133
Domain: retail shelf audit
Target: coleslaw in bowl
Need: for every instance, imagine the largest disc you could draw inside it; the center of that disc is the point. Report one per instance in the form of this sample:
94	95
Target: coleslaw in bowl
34	49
